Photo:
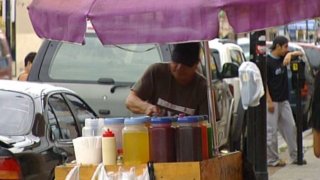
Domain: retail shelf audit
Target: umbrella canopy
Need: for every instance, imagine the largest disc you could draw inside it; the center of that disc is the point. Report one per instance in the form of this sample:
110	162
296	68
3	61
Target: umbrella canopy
149	21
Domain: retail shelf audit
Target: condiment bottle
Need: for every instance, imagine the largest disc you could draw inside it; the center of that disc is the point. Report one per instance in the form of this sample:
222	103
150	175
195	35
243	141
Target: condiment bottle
109	152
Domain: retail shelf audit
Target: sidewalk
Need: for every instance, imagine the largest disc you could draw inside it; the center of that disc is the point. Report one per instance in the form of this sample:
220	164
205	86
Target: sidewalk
310	171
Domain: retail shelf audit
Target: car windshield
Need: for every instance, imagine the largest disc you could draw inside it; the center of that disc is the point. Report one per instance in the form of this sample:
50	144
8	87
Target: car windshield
92	61
17	112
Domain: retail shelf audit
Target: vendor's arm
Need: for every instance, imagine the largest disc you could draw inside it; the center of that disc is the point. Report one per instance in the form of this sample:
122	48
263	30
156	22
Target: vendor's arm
138	106
288	57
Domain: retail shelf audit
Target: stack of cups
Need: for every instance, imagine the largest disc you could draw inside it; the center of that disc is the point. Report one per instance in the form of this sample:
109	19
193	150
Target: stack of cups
87	149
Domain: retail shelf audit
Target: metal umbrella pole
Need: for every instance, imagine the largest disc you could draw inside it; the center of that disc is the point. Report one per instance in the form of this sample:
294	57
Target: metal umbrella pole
211	100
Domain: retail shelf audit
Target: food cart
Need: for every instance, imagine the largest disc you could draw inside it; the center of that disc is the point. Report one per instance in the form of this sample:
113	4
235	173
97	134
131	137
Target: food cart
165	21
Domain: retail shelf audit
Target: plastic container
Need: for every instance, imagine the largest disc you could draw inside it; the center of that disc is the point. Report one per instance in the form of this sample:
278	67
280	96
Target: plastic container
188	139
161	140
115	125
210	140
210	136
204	136
100	126
109	150
91	128
135	141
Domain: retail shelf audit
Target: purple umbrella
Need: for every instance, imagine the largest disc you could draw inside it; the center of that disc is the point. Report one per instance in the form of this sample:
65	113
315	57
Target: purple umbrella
149	21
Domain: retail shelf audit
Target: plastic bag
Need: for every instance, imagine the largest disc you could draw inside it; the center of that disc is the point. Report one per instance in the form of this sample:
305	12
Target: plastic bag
73	173
101	174
131	174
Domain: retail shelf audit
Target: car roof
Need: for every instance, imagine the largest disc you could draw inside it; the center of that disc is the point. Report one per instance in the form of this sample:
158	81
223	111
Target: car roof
244	41
31	88
310	45
220	44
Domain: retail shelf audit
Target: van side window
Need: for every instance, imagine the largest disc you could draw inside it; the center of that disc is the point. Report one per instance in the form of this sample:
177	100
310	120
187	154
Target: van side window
61	121
236	56
123	63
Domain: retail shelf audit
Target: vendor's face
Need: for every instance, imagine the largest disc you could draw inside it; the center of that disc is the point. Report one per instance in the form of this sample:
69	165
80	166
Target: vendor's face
182	73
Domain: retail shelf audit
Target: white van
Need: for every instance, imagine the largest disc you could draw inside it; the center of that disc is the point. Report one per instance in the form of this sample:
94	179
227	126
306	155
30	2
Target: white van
224	52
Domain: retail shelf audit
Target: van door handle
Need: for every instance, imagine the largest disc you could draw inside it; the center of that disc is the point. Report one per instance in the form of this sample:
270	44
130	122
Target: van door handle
104	111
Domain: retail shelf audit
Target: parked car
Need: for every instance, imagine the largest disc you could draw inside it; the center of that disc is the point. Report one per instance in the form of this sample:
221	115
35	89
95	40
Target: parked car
103	75
313	54
37	125
5	58
306	91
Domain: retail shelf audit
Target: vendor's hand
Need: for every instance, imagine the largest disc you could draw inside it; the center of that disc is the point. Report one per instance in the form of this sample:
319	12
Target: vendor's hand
152	110
270	106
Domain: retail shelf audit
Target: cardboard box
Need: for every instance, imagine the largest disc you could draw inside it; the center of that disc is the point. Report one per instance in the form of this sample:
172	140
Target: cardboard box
223	167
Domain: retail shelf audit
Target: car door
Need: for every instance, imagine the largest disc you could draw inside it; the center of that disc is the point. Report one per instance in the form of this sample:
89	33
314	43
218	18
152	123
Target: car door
64	112
223	100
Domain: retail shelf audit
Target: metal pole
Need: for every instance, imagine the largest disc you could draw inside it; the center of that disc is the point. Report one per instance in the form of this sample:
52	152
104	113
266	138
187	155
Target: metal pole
307	31
257	115
299	116
212	113
8	21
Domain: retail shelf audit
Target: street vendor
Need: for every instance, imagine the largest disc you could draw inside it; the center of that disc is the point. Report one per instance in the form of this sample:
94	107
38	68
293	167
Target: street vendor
168	89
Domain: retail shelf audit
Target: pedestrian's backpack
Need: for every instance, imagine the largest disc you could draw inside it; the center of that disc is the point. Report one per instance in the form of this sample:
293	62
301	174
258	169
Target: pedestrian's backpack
251	85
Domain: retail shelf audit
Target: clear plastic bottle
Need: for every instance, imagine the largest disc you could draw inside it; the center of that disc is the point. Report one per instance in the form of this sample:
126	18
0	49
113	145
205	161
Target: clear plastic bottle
115	125
91	128
135	141
109	152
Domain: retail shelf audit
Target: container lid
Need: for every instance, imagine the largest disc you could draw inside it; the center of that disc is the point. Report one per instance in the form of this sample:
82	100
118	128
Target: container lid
136	120
188	119
161	120
91	122
174	119
108	133
109	121
201	117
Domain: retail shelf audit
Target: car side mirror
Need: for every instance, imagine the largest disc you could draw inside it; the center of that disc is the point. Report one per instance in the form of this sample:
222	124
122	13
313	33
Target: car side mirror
230	70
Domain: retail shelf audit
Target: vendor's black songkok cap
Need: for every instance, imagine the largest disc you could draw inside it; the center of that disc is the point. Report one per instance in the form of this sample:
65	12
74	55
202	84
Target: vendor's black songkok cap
186	53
